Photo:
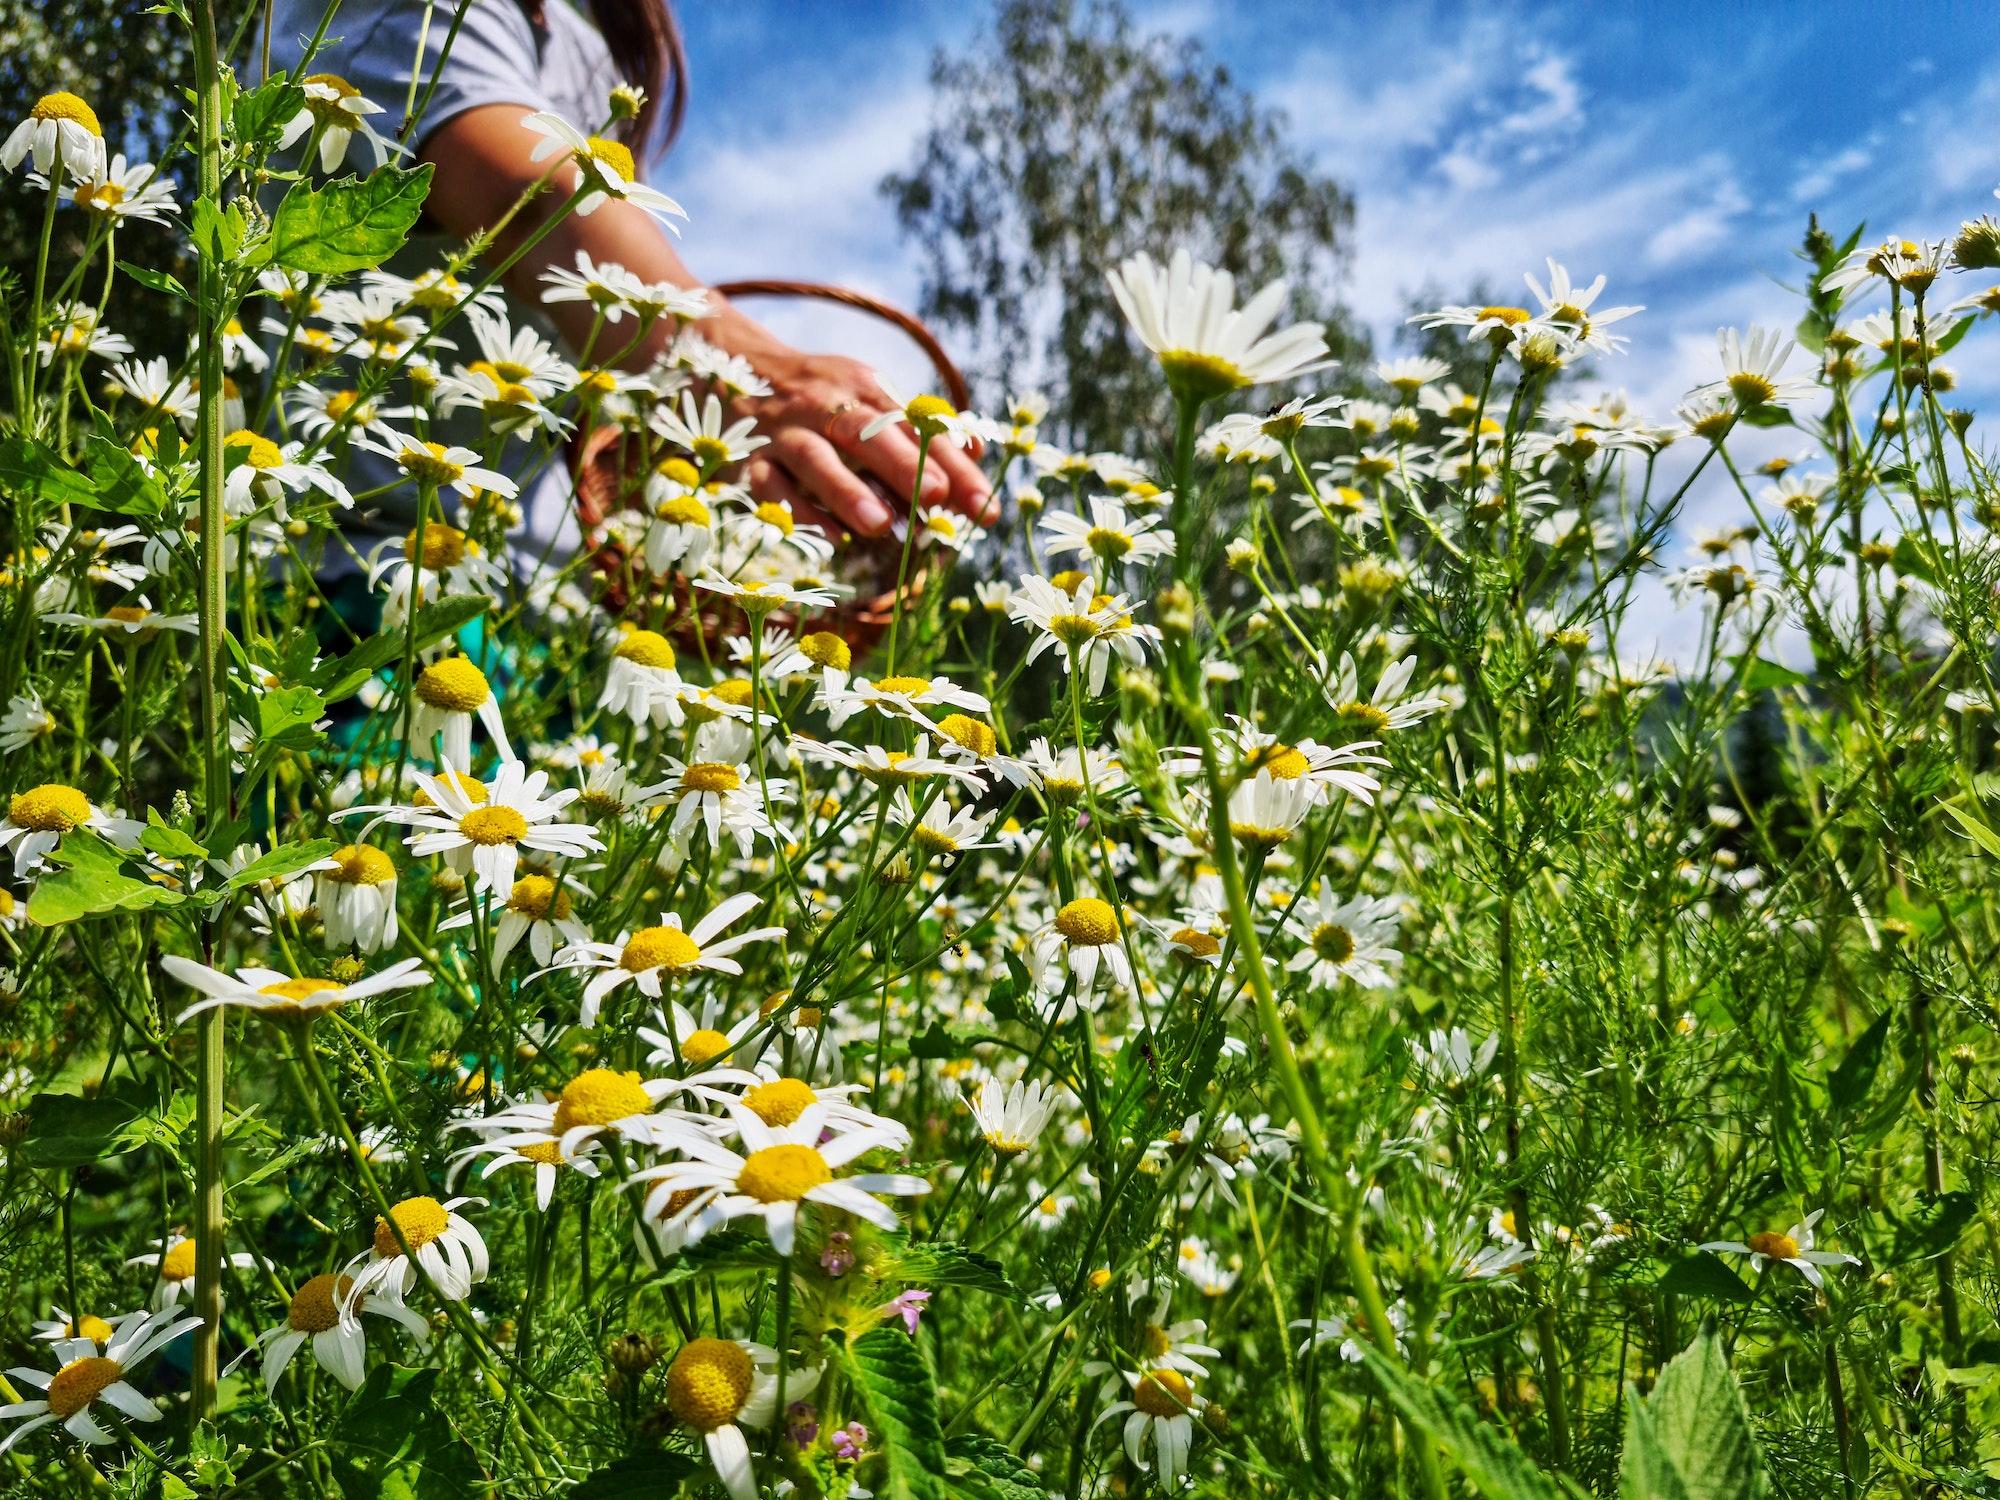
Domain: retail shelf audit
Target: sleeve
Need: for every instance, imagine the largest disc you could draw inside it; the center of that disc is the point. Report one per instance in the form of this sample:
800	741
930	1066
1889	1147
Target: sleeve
494	58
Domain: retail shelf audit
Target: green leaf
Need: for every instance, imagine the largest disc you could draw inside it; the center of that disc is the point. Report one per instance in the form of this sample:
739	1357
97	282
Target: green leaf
725	1250
343	676
164	839
1703	1274
1004	999
1497	1469
1757	675
1691	1439
286	859
1983	836
353	224
157	281
1849	1083
1767	416
989	1470
260	116
90	878
285	719
949	1265
65	1130
1957	331
637	1476
1931	1228
120	480
392	1442
217	232
901	1403
1915	558
31	469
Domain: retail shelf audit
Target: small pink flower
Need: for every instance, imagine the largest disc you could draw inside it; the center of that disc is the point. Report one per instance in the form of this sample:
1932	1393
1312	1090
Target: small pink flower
838	1257
909	1307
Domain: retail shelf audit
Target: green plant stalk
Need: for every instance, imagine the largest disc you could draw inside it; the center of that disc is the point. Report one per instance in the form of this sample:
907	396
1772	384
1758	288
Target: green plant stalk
909	542
209	1059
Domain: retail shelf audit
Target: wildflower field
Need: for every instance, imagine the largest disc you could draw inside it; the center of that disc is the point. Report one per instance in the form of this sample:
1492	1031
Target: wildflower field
1242	978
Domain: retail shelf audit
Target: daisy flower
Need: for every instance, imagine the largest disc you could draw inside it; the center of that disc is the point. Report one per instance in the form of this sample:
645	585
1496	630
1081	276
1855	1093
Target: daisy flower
702	435
1184	313
604	286
1109	533
173	1264
538	909
641	682
89	1326
355	891
1409	375
437	467
770	526
1082	940
523	1136
713	1384
336	108
378	317
760	598
1011	1117
1794	1247
1750	369
939	831
480	828
929	417
882	767
326	1311
780	1168
717	796
260	472
38	818
680	1041
321	411
1568	306
452	564
129	619
901	697
60	125
1389	709
508	407
1047	1210
155	387
682	531
1161	1407
448	694
778	1100
123	191
939	527
88	1373
282	997
607	168
1352	940
447	1247
1061	774
1494	324
666	951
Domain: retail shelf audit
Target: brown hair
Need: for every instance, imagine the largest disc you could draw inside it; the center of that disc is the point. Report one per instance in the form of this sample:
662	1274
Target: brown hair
645	43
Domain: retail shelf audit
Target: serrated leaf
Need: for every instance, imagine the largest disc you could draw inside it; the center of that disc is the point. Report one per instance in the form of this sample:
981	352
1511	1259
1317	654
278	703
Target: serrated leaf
393	1443
637	1476
162	838
723	1251
1703	1274
895	1387
343	676
286	716
990	1470
1497	1468
90	877
260	116
1849	1083
66	1130
949	1265
217	232
352	224
286	859
1694	1440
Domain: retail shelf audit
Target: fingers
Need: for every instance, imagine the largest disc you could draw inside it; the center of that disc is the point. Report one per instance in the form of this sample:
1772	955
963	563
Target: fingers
971	491
891	455
816	468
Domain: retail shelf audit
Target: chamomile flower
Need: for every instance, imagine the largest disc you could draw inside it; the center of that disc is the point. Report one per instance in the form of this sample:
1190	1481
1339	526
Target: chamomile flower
899	697
260	473
930	417
713	1384
158	391
38	818
326	1312
335	109
285	997
641	682
1794	1247
88	1373
883	767
1161	1409
1085	939
447	1247
1409	375
940	831
481	828
758	598
1390	709
665	952
1110	534
770	526
942	528
1568	306
606	167
174	1269
452	563
98	1330
1011	1117
682	1041
355	891
59	126
508	407
434	466
778	1169
1047	1210
339	411
122	191
1352	939
524	1135
718	796
700	433
538	909
778	1100
1750	370
136	618
1184	313
605	286
447	695
682	530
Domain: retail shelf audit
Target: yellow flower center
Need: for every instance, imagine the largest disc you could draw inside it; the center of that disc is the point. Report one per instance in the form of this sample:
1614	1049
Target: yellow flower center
296	990
735	691
360	864
81	1381
537	897
1196	944
127	614
178	1263
902	687
683	510
261	452
929	414
1107	543
709	451
659	948
66	106
444	546
470	788
1751	389
771	513
1153	1341
340	403
710	776
681	472
427	464
422	1220
1283	762
933	840
1777	1246
1164	1393
542	1153
51	808
454	684
1088	922
89	1326
1333	942
703	1045
779	1102
708	1383
1068	580
614	155
825	649
1362	718
314	1305
599	1096
1201	376
648	648
968	734
491	826
782	1174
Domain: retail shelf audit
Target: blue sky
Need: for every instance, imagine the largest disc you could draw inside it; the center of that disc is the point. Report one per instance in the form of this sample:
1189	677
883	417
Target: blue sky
1676	148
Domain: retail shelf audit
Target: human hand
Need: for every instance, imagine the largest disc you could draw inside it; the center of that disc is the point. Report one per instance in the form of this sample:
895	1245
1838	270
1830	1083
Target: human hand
817	460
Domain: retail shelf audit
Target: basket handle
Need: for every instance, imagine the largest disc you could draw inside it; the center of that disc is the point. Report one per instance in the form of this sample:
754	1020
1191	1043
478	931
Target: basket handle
954	382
